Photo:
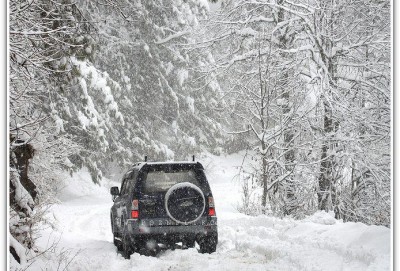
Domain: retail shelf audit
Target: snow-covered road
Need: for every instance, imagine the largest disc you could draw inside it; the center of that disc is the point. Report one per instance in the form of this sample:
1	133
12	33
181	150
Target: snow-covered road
318	242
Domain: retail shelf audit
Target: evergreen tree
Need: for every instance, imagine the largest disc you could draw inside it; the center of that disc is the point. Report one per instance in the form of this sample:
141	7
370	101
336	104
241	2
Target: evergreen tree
166	103
43	37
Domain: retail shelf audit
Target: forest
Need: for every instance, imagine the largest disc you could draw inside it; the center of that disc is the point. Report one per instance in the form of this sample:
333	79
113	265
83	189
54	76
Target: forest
301	88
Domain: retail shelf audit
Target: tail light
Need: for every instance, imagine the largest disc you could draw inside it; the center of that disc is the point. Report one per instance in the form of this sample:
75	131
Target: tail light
135	214
211	211
211	206
135	209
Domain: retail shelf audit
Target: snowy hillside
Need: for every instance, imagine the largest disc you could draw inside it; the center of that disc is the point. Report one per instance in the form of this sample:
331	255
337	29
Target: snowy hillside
318	242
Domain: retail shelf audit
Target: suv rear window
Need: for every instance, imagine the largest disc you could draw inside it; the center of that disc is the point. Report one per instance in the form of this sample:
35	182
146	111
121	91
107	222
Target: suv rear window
161	181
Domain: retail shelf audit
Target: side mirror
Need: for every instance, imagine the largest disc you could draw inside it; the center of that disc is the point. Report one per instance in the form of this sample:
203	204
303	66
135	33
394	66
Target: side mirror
114	192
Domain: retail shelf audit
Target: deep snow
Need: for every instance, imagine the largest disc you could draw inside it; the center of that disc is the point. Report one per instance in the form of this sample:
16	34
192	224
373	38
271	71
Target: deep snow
319	242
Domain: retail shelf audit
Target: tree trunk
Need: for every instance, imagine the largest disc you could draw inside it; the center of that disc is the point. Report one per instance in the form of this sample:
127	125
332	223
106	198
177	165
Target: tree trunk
327	178
289	191
264	179
23	153
325	200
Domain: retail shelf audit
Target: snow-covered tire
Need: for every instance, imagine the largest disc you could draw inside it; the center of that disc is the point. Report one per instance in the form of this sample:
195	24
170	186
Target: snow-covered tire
126	248
184	203
208	244
117	243
188	243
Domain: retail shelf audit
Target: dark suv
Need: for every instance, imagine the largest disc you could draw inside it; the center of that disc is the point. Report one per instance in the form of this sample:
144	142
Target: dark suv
164	203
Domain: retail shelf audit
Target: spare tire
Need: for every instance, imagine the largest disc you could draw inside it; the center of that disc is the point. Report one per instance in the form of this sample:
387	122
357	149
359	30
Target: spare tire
184	203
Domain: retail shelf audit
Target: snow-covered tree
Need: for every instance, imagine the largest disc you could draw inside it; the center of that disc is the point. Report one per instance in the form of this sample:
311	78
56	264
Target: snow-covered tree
43	36
350	43
265	91
166	104
322	61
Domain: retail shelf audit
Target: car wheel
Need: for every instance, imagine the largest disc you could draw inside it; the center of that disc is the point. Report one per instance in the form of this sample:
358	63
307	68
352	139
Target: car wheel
208	244
118	244
188	243
126	248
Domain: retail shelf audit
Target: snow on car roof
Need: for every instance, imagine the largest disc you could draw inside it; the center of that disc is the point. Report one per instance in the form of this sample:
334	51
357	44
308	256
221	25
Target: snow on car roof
141	164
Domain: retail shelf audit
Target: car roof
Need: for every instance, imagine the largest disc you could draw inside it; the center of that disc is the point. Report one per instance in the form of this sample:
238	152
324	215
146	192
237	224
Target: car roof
140	165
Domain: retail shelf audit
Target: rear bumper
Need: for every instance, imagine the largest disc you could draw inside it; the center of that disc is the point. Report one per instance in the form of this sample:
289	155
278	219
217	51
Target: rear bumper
164	229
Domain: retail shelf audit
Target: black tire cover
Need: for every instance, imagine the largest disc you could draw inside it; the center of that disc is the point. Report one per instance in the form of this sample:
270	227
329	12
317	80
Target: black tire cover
184	203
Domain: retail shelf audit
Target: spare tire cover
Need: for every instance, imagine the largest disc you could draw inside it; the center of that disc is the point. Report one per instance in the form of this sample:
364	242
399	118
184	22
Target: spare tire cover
184	203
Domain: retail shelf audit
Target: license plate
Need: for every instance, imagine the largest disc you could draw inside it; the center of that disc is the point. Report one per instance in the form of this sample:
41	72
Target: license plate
158	222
